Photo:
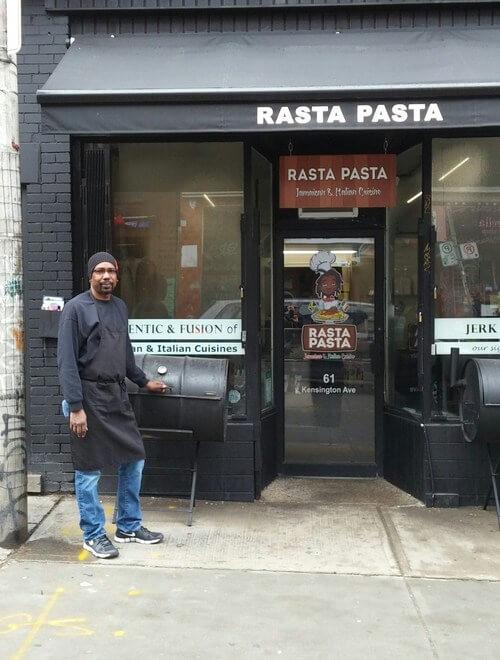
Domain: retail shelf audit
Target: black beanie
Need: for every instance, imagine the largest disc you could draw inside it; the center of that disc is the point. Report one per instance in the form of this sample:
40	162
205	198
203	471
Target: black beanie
99	258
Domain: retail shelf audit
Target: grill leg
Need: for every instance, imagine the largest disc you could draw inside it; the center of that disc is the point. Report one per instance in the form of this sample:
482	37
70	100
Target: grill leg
494	485
487	500
194	473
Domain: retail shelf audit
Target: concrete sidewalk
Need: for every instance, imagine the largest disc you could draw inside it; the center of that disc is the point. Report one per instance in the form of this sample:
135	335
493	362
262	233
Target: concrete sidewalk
72	610
315	569
342	526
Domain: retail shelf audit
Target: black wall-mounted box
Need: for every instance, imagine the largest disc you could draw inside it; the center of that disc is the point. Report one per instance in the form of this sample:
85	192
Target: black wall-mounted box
49	323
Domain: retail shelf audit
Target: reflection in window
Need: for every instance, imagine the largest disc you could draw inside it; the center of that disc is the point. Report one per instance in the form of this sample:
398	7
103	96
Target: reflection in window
466	215
176	233
402	283
329	351
262	187
466	211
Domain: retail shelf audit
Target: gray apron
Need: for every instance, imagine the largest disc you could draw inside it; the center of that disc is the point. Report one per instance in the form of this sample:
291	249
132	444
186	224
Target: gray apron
112	437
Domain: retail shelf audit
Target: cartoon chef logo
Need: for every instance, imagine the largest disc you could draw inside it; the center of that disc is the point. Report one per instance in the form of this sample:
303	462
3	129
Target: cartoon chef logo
328	287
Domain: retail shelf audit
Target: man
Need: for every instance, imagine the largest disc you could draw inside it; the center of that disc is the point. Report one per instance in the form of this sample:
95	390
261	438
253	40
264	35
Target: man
94	355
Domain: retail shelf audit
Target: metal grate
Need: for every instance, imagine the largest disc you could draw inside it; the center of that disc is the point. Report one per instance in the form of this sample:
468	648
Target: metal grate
70	6
95	201
289	18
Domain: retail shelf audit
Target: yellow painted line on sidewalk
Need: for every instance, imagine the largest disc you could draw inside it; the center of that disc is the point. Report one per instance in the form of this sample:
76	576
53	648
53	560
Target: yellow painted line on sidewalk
37	625
71	530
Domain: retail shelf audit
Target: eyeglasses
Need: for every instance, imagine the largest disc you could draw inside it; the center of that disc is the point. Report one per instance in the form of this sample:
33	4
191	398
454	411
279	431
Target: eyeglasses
103	271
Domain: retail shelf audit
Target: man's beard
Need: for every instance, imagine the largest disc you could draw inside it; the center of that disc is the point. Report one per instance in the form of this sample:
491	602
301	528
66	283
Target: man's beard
105	287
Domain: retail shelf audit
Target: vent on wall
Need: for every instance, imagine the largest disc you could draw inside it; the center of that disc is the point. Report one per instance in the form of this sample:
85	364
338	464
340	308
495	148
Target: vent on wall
326	214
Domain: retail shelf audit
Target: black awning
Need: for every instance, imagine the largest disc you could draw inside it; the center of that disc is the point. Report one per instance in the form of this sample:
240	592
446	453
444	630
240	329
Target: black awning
137	84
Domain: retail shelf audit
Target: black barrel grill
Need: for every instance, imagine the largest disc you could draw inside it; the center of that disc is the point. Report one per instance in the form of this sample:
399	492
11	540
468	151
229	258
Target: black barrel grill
192	408
480	413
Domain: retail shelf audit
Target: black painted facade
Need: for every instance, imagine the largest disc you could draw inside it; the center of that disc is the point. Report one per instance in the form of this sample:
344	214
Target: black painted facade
234	470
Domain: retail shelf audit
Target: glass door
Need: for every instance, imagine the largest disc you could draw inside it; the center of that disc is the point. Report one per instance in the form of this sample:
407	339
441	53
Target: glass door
329	351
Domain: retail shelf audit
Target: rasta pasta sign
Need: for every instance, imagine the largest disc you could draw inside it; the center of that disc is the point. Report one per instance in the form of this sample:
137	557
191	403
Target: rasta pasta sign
332	330
329	338
273	116
186	336
338	181
350	114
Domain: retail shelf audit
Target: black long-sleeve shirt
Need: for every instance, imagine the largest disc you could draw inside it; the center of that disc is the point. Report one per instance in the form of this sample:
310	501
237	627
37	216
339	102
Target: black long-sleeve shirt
79	338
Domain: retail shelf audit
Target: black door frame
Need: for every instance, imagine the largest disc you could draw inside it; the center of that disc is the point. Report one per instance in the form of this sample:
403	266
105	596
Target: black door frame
370	224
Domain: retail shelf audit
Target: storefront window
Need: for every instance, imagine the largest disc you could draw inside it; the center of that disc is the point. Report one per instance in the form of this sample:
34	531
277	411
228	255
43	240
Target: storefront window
262	189
402	284
466	214
176	233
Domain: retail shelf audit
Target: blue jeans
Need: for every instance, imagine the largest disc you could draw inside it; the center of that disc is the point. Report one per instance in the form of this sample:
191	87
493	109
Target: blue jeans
128	515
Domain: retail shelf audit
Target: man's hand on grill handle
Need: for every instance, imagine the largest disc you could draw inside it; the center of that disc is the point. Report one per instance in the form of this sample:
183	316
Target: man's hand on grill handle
156	386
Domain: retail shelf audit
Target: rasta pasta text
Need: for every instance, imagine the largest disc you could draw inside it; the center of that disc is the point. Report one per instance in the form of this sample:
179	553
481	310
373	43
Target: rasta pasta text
397	113
329	338
373	172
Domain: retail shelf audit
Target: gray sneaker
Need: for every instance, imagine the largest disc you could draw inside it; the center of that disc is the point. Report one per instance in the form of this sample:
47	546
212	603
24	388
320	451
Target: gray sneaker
101	547
141	535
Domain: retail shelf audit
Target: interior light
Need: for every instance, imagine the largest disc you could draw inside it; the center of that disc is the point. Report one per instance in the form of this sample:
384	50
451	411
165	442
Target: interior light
412	199
208	200
316	251
441	178
462	162
213	193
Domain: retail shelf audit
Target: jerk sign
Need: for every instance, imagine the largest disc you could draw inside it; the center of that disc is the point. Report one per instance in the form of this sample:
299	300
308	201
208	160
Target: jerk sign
349	181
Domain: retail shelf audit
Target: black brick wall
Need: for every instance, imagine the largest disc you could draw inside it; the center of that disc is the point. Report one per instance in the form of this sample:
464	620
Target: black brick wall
47	245
404	454
459	468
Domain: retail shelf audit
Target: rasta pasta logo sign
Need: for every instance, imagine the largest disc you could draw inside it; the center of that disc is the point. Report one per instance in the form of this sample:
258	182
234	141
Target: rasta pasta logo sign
329	338
350	114
331	332
338	181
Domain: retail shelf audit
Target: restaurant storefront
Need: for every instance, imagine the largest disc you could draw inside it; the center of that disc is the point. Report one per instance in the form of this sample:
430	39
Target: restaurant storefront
333	241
